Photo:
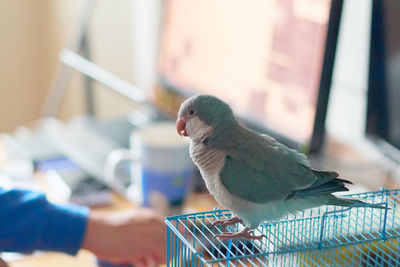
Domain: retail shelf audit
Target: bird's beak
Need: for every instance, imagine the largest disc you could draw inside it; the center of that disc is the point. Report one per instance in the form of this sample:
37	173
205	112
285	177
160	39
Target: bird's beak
181	127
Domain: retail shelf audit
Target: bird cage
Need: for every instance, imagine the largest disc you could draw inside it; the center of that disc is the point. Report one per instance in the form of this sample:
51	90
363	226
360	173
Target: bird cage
323	236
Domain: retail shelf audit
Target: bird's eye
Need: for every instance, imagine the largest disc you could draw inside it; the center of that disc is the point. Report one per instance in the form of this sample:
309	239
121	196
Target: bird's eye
191	112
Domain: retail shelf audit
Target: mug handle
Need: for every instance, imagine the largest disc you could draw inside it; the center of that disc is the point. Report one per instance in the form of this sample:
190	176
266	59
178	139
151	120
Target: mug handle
113	160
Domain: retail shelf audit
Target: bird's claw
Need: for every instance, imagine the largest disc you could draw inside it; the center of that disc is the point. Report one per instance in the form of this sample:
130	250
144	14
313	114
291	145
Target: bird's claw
227	222
245	233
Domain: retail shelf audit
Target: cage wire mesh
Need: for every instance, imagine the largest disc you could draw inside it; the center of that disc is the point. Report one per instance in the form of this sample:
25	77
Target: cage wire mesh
324	236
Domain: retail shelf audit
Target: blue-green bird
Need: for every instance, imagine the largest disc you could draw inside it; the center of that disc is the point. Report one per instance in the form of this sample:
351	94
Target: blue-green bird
251	174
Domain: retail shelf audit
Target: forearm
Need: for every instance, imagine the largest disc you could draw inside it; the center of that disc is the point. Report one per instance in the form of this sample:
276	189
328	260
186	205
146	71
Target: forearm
29	222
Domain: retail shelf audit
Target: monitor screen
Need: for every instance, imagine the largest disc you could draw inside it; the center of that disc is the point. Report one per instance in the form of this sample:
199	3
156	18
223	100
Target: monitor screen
265	58
383	114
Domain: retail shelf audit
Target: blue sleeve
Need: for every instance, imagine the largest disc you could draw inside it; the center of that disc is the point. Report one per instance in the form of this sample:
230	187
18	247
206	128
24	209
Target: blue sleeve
29	222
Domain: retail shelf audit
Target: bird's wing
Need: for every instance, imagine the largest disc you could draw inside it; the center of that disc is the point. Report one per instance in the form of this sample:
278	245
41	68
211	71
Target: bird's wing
259	169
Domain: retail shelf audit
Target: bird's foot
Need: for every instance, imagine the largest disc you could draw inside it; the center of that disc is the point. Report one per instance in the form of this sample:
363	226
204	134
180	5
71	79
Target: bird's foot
245	233
227	222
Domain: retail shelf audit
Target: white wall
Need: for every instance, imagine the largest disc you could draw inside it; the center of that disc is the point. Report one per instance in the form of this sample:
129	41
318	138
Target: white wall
146	32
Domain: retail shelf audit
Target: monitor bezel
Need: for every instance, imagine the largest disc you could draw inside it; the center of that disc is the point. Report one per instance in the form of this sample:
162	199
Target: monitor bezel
374	130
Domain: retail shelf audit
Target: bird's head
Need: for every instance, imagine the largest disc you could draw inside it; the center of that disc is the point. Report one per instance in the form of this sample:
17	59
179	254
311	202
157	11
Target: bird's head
199	115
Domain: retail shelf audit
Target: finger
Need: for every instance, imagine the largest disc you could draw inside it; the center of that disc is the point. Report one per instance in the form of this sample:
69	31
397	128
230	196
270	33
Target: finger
160	259
139	264
151	262
109	262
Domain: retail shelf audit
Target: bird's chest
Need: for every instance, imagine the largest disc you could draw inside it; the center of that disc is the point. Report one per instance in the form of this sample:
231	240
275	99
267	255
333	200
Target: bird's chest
210	163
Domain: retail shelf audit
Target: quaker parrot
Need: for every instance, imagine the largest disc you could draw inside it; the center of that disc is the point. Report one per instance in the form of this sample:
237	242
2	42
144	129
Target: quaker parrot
251	174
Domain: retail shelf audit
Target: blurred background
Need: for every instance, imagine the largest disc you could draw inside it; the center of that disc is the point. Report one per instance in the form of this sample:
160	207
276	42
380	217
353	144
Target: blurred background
34	32
78	77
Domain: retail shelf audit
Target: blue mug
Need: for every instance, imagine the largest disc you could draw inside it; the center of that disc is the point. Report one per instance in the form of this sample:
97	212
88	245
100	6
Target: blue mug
161	167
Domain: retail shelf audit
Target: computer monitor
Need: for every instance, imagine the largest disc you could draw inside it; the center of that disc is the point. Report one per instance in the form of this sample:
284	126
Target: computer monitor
272	61
383	105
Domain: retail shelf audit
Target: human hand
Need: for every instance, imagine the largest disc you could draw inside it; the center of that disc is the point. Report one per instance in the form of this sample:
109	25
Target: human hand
136	236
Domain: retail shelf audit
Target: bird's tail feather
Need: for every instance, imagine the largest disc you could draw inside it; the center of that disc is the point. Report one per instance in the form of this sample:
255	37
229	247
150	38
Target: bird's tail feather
350	202
322	188
324	176
295	205
320	193
299	204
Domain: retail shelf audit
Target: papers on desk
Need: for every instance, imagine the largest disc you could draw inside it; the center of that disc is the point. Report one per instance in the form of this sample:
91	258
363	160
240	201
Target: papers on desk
16	172
13	256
